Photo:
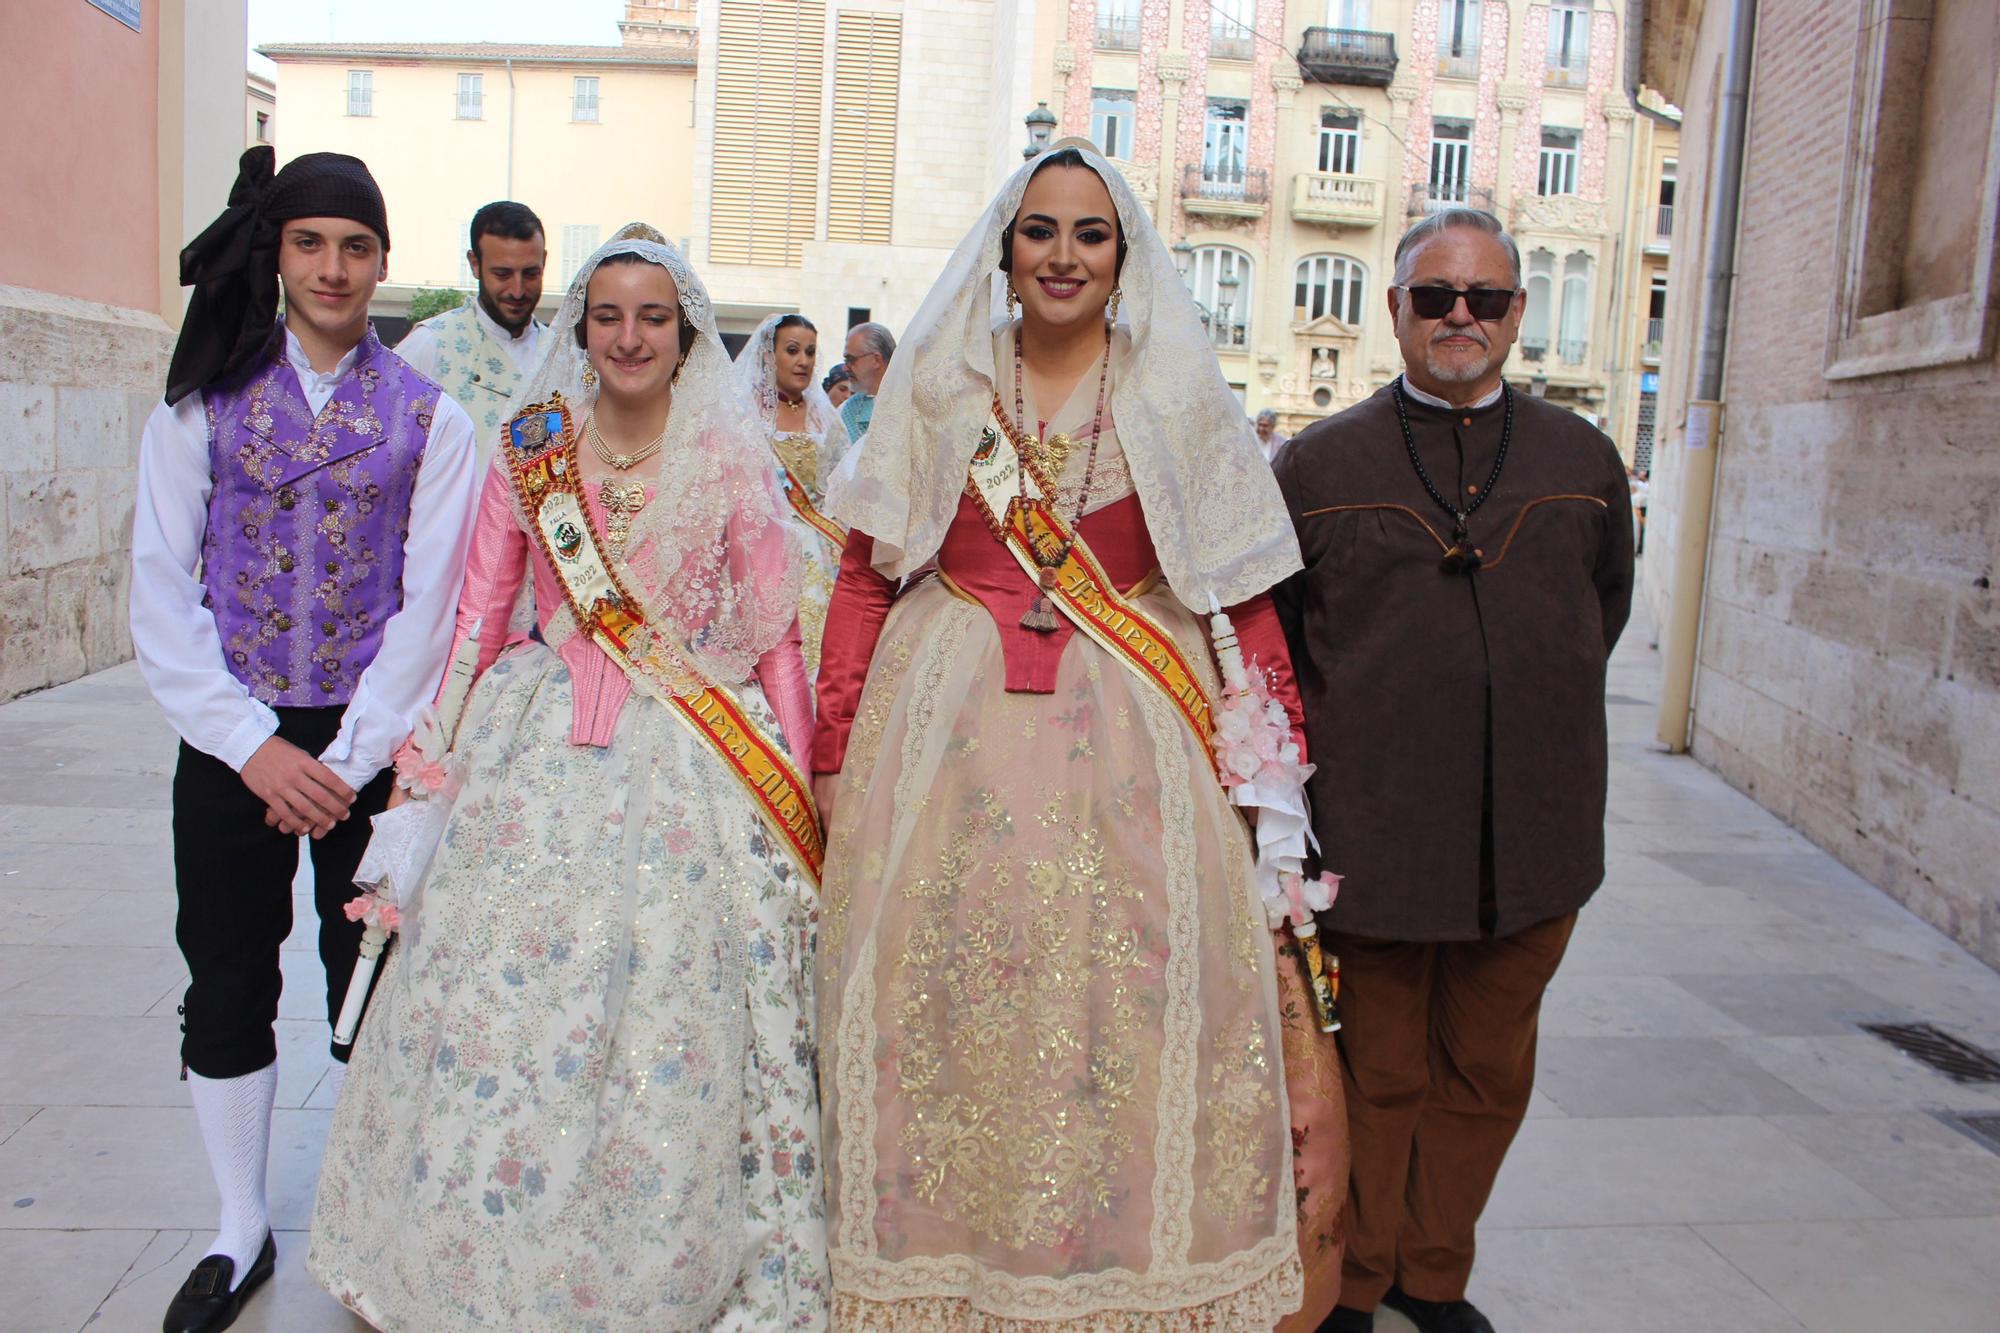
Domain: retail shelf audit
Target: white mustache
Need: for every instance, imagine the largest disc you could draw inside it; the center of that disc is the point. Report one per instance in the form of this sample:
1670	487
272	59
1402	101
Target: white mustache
1471	331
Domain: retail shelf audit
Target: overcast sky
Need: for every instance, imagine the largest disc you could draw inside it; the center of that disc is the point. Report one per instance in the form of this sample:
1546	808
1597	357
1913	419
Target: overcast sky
594	21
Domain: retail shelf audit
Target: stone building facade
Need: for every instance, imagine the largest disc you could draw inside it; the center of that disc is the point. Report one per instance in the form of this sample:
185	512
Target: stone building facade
1288	146
90	297
1847	667
842	149
447	127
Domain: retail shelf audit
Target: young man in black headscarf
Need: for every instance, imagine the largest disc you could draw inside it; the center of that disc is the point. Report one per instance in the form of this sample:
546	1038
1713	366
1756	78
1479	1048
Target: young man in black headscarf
305	499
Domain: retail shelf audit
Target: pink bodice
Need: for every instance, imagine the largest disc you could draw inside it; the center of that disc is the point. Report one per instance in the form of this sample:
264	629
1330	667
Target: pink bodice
499	561
974	560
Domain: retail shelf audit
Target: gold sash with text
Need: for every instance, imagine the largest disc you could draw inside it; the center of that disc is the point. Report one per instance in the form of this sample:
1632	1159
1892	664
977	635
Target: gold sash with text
802	504
543	465
1020	518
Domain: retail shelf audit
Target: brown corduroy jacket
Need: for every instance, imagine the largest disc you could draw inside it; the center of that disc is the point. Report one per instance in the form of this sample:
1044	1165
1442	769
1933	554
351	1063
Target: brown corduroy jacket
1457	721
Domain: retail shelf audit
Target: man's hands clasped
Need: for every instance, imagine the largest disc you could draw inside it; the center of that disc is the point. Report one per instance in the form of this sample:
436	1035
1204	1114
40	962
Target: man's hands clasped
301	795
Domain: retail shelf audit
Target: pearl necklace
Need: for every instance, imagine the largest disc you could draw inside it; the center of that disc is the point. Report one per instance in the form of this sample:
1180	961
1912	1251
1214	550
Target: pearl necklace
623	462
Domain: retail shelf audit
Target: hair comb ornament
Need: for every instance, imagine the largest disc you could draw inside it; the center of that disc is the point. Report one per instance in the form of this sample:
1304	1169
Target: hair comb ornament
640	231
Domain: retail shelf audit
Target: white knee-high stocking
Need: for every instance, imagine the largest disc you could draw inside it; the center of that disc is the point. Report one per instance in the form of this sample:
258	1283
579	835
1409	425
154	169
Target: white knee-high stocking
235	1118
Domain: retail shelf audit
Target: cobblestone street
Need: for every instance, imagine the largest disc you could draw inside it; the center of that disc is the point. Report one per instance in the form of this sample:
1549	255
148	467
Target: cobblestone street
1714	1144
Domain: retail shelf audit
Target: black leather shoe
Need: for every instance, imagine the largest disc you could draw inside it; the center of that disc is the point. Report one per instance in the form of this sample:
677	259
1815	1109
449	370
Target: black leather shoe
205	1304
1346	1319
1438	1316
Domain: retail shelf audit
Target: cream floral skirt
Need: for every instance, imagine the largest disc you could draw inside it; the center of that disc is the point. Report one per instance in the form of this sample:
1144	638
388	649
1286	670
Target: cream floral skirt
583	1096
1050	1034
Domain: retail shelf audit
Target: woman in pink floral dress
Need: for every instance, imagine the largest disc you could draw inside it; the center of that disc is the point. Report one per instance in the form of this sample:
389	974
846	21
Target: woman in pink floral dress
583	1095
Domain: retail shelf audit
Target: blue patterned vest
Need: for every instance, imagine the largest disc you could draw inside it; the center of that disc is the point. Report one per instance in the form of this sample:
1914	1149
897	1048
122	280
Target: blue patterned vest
475	369
303	554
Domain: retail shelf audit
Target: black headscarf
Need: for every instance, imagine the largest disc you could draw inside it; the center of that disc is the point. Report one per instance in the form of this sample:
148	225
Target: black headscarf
233	266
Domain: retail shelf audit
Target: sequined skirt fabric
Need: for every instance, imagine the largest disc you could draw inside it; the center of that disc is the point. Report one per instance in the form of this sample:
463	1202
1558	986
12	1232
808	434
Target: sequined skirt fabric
1050	1029
585	1098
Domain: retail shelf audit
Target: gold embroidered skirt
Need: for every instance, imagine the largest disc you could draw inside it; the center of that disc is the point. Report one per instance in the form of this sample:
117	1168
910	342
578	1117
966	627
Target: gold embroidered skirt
1050	1039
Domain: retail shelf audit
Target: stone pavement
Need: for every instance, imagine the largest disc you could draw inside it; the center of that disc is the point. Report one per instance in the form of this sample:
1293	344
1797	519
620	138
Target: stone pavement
1714	1144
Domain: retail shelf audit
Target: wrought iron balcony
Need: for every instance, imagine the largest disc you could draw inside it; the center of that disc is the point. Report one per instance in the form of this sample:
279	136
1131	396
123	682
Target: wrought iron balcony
1436	196
1656	337
1232	45
1348	55
1118	32
1571	73
1329	199
1661	241
1242	193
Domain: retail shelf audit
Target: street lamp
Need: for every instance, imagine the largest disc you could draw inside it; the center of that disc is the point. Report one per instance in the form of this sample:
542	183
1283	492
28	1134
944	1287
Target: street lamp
1041	123
1183	256
1225	300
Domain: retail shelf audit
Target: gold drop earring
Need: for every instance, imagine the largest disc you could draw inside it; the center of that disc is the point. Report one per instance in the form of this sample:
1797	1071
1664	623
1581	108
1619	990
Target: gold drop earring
1013	299
589	376
1117	295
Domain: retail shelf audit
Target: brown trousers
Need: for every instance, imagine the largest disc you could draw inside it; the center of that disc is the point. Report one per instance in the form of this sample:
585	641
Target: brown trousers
1437	1055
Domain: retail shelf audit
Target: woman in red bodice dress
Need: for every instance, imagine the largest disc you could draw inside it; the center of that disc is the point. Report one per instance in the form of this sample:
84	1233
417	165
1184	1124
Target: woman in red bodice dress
1055	1033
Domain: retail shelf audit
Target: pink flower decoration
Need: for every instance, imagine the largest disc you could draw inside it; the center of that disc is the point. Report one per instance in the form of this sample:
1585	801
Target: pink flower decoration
509	1171
373	910
409	762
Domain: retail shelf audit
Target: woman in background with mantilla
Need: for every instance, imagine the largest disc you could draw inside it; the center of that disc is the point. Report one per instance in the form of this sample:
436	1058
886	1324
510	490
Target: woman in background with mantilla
583	1095
807	443
1051	1011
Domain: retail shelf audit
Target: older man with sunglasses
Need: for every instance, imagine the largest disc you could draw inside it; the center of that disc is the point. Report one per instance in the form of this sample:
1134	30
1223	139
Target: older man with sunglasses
1468	567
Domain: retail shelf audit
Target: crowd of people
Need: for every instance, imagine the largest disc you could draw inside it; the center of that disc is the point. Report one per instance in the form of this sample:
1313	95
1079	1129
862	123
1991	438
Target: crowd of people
989	838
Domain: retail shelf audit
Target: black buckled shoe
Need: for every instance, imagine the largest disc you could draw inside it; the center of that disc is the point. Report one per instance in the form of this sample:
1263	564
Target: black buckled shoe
1438	1316
1346	1319
205	1304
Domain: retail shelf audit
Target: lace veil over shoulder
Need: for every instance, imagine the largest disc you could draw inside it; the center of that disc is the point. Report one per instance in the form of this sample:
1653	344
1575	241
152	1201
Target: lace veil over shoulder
725	561
1212	506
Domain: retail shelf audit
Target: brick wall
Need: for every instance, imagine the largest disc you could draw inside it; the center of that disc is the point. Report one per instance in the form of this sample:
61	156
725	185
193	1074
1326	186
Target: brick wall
1849	666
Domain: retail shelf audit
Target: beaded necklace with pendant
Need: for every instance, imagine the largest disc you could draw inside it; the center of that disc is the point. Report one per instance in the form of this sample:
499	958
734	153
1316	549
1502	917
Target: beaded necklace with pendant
1049	552
1460	558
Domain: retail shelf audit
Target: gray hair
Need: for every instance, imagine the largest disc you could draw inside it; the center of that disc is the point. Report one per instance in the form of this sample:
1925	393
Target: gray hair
876	338
1267	415
1478	219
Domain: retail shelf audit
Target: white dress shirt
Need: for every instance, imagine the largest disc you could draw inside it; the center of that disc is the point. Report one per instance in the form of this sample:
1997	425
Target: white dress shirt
420	345
175	637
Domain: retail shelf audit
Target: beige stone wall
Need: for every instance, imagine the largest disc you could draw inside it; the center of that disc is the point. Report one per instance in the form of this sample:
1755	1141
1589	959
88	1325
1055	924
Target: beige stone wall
77	377
1849	664
77	380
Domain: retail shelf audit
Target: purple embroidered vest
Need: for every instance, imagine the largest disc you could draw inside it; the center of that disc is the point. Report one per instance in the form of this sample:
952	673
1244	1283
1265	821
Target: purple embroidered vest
303	554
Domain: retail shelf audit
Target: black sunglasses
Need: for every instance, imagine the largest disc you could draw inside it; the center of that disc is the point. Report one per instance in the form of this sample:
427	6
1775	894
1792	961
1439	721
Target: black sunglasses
1487	303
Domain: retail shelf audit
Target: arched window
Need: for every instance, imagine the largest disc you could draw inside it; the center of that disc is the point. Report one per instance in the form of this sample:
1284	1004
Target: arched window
1329	285
1535	319
1573	333
1225	304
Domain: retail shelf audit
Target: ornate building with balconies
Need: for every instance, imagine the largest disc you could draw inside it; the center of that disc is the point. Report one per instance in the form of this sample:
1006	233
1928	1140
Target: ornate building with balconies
1285	145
